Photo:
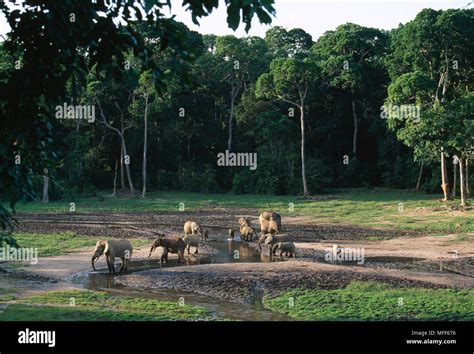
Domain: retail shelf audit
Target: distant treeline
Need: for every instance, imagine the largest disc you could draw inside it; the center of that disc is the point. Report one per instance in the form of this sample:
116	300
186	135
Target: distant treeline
248	95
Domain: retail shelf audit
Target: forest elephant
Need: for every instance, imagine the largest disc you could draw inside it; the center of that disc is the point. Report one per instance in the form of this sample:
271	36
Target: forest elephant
270	240
246	231
244	222
191	240
284	247
170	244
268	227
268	215
111	249
193	228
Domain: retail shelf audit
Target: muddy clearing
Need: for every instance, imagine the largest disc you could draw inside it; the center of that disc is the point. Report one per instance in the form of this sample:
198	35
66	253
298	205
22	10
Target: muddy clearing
235	286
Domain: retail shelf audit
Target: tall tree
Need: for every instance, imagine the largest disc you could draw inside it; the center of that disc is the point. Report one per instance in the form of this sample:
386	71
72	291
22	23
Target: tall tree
242	60
52	38
291	80
293	43
146	92
351	59
434	51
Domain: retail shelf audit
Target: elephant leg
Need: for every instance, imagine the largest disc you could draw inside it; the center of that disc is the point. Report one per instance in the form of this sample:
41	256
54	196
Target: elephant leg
112	264
197	250
189	248
122	266
108	263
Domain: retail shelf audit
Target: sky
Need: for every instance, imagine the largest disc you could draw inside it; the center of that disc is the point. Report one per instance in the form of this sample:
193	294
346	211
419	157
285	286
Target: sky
314	16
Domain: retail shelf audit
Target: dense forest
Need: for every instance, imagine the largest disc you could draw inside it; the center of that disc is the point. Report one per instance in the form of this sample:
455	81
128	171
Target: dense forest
357	107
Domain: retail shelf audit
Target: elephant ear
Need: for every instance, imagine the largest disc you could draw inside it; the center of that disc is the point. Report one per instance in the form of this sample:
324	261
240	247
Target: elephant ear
106	249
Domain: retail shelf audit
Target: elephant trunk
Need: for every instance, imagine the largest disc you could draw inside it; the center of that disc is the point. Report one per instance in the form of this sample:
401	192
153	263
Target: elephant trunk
94	258
151	251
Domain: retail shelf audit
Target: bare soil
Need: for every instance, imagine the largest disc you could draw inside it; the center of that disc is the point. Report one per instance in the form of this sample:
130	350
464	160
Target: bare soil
218	221
440	261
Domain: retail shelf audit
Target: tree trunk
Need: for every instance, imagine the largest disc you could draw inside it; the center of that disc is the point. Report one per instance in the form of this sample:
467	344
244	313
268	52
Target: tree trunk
233	96
444	177
455	175
468	193
356	124
114	193
303	169
45	188
420	174
145	143
122	176
127	167
462	179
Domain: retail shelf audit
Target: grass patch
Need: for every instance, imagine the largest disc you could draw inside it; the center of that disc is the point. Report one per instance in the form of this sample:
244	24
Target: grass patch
365	207
99	306
54	244
373	301
461	238
6	295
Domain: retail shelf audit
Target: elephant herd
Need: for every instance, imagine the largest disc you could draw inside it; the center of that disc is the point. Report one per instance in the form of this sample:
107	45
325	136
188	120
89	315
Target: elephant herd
270	225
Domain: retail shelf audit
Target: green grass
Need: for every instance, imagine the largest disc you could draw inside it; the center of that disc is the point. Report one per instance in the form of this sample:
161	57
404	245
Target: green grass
372	301
99	306
365	207
59	243
6	295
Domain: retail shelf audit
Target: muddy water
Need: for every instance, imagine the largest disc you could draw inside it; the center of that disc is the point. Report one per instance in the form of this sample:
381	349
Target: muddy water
226	252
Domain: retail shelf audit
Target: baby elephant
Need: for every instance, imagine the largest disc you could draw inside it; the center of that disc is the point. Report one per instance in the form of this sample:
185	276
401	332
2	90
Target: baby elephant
244	222
191	240
246	231
111	249
271	240
170	244
284	247
193	228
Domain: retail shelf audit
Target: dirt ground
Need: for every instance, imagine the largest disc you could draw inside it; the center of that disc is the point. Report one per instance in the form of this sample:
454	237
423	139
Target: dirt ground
218	221
436	261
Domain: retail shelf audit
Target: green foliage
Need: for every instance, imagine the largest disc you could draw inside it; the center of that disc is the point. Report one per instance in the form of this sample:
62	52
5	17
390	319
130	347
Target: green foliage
319	175
60	44
289	78
283	43
180	70
436	81
372	301
202	179
53	244
99	306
